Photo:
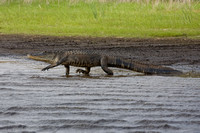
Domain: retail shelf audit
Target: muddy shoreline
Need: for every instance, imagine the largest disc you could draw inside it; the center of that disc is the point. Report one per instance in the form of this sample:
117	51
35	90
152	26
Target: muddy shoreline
35	101
157	51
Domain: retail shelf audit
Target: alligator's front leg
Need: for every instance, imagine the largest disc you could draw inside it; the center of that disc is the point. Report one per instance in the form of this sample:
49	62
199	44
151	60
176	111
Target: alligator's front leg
86	71
67	69
104	65
55	64
50	66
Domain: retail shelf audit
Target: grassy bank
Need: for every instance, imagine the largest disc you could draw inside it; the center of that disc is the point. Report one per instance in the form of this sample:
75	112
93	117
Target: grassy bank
93	18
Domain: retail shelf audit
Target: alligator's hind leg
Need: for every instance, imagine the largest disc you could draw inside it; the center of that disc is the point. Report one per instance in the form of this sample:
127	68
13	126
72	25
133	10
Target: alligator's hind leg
86	71
67	69
104	65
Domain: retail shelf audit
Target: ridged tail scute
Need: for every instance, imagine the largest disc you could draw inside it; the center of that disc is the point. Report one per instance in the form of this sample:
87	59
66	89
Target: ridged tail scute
144	68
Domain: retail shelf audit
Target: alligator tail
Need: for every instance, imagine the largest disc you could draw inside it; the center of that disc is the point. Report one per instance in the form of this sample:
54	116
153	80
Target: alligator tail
144	68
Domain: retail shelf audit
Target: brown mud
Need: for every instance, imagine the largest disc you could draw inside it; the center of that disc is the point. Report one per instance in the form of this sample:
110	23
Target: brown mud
159	51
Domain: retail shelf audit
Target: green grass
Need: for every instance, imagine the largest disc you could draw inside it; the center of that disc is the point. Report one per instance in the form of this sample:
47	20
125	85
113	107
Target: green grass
100	19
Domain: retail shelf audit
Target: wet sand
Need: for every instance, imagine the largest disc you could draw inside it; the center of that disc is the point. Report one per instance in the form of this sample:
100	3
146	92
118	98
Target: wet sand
35	101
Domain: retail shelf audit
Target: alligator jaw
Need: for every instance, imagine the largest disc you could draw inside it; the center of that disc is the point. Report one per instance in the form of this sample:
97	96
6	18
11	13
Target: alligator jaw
40	58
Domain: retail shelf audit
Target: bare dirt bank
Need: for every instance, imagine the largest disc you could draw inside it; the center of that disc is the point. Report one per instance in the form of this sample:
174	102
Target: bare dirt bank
157	51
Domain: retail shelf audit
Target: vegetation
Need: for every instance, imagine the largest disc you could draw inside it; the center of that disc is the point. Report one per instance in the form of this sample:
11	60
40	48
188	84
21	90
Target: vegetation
120	18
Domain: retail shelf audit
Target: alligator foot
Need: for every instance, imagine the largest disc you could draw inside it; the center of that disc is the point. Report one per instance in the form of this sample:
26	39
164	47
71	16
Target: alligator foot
50	66
46	68
82	71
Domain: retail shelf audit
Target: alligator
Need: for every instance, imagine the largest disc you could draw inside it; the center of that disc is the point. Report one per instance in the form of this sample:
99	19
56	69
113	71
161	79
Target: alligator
90	58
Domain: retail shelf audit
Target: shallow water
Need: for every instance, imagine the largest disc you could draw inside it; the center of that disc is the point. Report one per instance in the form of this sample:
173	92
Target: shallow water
35	101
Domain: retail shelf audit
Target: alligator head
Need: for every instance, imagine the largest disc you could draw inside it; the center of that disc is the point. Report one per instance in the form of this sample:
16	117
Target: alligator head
48	57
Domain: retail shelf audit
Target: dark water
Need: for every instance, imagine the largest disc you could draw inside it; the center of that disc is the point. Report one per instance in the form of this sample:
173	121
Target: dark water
35	101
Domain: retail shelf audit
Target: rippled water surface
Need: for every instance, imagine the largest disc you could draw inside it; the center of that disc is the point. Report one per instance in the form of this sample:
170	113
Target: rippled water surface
35	101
